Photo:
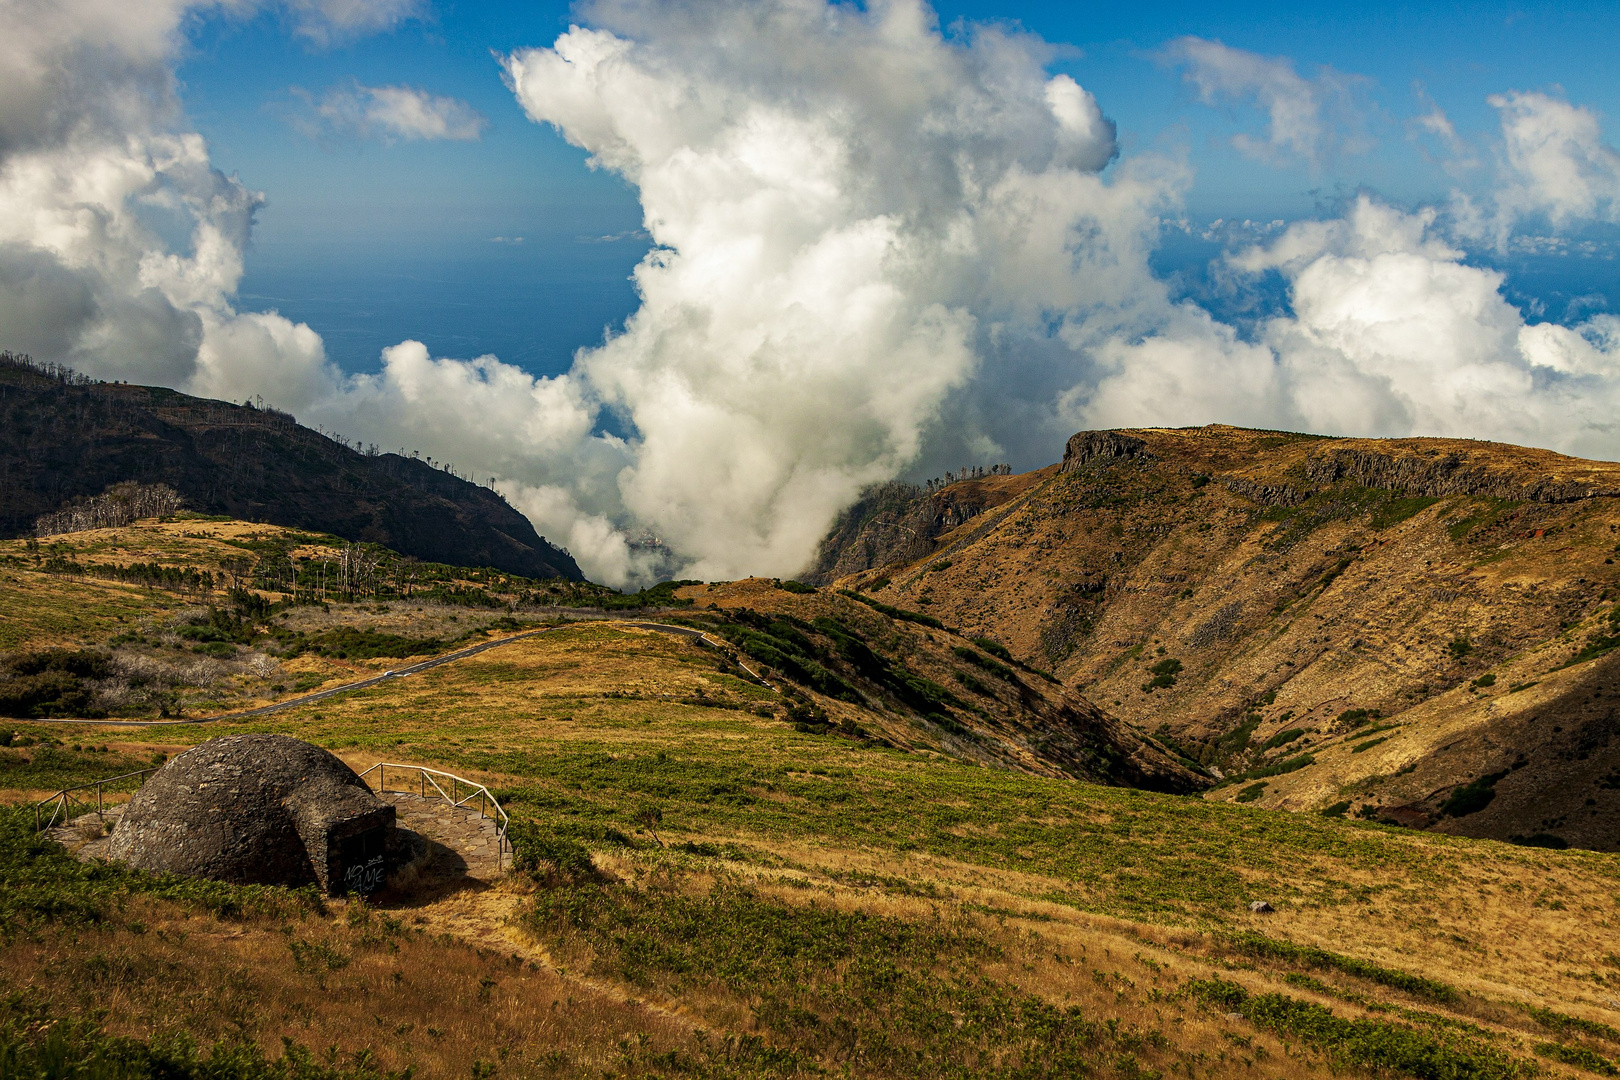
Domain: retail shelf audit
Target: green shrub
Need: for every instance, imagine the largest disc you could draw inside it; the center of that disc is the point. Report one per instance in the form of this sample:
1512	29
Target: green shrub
798	587
353	643
1256	945
994	648
1472	797
1597	645
1237	740
1292	764
1000	671
34	1045
1252	792
974	685
1282	738
52	682
1377	1045
1398	508
654	596
1164	674
1564	1024
785	647
1338	809
894	612
221	650
542	852
1578	1056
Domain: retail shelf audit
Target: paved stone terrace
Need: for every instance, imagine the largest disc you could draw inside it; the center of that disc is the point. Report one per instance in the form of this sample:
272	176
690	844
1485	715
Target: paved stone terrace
457	828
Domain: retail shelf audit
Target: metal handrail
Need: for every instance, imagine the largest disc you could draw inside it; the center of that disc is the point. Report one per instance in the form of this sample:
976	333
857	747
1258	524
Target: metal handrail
426	778
63	799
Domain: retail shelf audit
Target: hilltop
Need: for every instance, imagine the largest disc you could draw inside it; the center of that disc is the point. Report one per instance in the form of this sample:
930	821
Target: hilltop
65	438
1411	630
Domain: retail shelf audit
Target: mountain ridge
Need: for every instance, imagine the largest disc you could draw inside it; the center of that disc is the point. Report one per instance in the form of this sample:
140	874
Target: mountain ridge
64	438
1259	600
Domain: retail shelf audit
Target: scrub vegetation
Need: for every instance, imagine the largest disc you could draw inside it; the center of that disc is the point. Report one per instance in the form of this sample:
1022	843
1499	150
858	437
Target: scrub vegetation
732	866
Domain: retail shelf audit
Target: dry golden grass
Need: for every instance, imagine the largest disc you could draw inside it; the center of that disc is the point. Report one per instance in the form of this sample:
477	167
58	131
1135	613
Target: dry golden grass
408	994
1294	601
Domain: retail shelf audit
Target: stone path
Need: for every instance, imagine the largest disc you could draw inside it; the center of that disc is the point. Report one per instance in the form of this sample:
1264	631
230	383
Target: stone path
86	837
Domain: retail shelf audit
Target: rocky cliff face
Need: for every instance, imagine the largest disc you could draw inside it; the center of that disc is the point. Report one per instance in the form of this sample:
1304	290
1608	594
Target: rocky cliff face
1429	471
62	439
1370	623
893	524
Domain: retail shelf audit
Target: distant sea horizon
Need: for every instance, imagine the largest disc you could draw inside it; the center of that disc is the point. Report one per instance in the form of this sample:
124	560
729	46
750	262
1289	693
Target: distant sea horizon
534	303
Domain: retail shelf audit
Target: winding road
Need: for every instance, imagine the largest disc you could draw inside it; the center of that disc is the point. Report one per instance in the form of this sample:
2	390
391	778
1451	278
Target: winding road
400	673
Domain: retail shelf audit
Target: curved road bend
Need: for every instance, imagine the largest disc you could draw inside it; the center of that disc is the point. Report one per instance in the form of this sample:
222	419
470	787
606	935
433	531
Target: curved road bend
396	673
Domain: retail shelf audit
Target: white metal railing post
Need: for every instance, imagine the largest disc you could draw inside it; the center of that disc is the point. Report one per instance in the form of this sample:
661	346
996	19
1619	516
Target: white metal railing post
488	805
61	802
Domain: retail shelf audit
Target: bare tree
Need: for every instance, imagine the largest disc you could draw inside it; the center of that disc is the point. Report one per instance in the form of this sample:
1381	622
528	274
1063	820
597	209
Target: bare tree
119	505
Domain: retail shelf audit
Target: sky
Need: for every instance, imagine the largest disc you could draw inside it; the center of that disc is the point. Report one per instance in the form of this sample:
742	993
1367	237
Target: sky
373	240
697	273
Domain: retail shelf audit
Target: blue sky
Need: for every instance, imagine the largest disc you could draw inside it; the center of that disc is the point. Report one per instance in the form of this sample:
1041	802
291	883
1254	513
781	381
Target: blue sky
372	241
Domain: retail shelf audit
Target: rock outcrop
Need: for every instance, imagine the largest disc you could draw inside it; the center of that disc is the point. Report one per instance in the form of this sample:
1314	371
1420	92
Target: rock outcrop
1437	475
1088	446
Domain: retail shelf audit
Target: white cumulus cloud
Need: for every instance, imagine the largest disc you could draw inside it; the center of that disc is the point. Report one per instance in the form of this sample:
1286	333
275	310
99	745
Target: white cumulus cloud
388	113
1555	161
844	205
1389	333
1307	119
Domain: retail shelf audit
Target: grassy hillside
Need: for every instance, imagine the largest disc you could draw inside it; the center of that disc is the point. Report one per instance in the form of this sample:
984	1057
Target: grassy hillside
200	615
825	874
1413	630
800	904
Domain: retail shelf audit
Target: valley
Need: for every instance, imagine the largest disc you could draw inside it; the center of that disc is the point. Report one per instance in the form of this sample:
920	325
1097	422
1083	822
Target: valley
1365	627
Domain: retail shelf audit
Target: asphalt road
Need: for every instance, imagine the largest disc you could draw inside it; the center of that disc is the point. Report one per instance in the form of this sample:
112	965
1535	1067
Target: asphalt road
396	673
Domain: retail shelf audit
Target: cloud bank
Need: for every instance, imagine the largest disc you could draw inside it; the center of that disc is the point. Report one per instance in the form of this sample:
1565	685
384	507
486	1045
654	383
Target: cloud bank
843	203
1390	333
876	245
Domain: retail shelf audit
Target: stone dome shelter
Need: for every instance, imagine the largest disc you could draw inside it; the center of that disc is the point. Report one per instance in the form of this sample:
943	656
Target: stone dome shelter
259	810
